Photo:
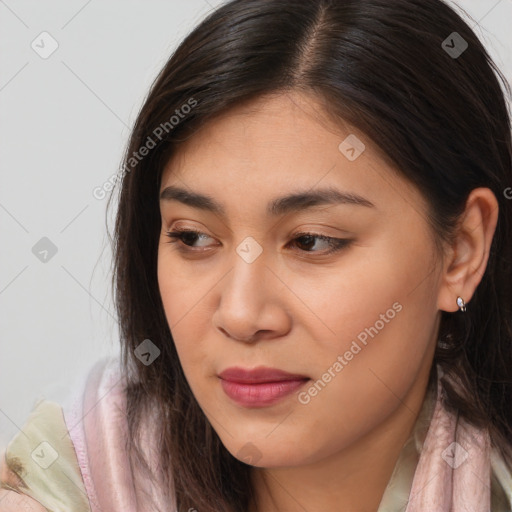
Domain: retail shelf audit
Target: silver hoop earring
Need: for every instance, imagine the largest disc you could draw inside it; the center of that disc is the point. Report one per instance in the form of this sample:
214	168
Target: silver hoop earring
461	304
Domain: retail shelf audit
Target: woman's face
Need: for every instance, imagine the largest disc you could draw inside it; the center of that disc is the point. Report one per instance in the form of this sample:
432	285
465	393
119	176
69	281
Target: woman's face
251	290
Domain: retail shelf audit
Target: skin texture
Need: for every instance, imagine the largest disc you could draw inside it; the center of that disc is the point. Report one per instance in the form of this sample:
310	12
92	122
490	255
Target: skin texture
298	309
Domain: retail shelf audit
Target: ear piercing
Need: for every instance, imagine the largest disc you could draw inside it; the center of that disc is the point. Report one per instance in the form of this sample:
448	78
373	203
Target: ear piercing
461	304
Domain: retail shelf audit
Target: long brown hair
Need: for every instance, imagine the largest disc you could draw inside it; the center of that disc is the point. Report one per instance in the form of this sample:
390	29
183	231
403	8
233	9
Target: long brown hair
385	67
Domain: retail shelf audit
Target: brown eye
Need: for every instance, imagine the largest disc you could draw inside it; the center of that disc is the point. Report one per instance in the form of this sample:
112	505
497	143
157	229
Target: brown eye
186	237
308	240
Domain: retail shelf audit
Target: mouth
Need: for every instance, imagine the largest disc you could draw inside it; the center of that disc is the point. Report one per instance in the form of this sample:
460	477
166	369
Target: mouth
259	387
259	375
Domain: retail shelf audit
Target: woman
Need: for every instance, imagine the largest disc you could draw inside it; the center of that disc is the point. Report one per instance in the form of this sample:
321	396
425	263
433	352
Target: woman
312	272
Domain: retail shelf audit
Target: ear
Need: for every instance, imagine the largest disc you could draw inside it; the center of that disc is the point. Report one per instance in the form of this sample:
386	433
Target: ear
466	258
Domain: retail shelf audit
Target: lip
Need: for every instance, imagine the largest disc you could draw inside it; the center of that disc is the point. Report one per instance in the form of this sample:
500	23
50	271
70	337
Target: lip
259	387
258	375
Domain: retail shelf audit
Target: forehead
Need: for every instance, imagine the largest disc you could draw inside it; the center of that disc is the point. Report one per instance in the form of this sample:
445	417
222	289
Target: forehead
278	143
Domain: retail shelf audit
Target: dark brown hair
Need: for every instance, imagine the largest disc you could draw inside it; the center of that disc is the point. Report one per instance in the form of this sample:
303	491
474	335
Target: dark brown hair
383	67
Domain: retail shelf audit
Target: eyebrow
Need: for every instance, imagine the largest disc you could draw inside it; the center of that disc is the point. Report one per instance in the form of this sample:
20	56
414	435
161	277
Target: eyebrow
289	203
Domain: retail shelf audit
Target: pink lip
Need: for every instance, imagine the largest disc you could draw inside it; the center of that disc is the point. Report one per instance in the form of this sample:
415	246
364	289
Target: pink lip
259	387
258	375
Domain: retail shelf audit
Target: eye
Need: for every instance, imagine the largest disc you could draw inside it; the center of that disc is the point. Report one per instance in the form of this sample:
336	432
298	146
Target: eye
333	244
185	238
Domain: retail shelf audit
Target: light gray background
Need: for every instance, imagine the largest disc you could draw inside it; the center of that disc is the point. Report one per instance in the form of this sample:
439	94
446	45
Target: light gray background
64	121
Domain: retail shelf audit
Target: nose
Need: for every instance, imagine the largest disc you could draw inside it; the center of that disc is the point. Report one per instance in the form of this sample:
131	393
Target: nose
251	305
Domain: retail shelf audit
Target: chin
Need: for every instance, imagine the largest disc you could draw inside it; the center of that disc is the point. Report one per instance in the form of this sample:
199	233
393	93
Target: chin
266	453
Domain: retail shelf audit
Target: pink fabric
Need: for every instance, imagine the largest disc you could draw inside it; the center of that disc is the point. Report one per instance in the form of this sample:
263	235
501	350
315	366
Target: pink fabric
452	477
95	423
96	420
446	480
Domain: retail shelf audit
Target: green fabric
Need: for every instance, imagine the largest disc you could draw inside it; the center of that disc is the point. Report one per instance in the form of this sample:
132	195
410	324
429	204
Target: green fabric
43	457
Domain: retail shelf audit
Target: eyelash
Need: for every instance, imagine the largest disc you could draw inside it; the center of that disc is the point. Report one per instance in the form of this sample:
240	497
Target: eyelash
336	244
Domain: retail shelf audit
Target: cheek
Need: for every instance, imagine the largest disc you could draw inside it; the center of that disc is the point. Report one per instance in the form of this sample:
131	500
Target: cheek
355	392
380	299
181	291
364	292
357	384
167	288
383	315
177	299
188	313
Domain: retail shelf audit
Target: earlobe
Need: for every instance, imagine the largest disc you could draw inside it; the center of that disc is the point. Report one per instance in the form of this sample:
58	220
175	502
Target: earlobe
467	257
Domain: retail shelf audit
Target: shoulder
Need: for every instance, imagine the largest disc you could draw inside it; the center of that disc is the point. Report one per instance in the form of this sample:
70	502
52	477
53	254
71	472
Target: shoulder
39	469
